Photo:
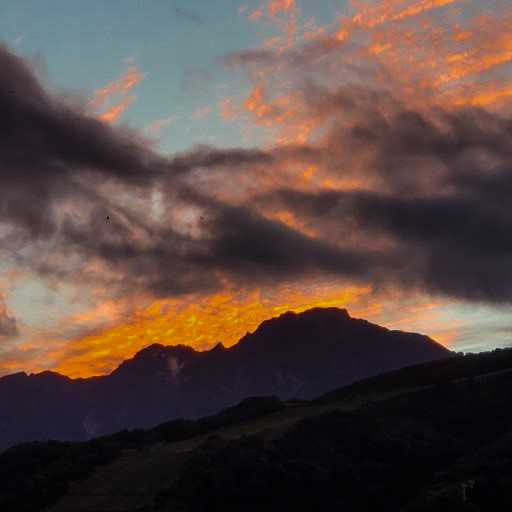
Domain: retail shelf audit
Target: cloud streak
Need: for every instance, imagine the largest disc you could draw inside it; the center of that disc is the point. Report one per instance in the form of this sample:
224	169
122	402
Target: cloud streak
111	101
8	325
189	16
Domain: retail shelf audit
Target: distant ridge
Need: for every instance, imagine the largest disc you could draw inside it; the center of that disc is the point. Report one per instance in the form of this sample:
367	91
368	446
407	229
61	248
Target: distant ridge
296	355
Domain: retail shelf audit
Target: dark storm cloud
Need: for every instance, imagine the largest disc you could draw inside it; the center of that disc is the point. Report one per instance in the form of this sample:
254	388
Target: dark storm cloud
439	193
53	156
434	214
37	131
457	246
44	145
239	244
258	249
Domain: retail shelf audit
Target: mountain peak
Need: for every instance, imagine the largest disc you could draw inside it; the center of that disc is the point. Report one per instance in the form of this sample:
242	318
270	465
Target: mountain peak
318	312
318	317
49	375
218	348
158	350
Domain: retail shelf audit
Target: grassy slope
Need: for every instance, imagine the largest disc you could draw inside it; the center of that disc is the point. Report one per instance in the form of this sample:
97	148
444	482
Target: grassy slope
111	487
407	453
133	478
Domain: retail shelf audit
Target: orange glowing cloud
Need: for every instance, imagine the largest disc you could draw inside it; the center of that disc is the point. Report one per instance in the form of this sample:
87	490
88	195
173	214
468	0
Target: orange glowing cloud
283	15
256	15
109	102
419	59
492	95
277	112
280	5
113	113
227	109
394	10
272	8
488	45
401	46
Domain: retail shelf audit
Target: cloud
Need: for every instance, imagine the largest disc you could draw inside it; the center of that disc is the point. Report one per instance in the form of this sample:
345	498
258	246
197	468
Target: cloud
56	195
254	249
437	192
47	147
256	14
111	101
8	326
189	16
51	184
386	12
392	194
410	173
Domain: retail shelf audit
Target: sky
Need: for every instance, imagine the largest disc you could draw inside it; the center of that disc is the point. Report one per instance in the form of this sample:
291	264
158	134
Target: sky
179	171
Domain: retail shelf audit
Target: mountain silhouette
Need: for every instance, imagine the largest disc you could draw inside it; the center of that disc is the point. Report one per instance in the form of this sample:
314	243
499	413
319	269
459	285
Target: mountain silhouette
293	356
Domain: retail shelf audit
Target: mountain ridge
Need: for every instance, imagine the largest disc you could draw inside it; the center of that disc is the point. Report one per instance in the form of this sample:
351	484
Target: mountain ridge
295	355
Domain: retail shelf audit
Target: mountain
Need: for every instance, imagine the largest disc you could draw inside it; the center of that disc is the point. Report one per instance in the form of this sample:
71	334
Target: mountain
430	437
446	447
292	356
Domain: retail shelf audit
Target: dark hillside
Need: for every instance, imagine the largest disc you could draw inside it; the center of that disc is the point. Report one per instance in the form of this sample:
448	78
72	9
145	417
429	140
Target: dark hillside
403	442
410	452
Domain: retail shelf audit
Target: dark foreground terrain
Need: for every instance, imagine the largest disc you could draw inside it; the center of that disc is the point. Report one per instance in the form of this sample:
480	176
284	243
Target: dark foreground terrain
432	437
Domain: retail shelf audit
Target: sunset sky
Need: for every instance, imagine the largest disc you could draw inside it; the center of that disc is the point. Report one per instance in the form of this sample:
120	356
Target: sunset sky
252	158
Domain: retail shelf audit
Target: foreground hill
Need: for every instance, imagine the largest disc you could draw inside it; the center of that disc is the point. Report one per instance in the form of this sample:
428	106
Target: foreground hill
293	356
418	439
